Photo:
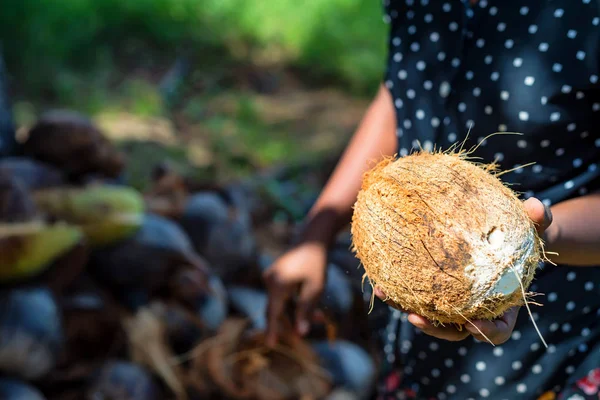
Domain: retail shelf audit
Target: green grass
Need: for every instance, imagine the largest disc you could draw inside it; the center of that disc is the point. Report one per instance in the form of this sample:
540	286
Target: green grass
62	49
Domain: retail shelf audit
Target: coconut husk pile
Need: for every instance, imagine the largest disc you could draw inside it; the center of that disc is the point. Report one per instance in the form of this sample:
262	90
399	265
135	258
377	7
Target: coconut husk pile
237	364
139	278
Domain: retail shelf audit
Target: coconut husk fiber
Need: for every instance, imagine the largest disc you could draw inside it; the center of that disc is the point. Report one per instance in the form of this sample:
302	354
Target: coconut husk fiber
444	238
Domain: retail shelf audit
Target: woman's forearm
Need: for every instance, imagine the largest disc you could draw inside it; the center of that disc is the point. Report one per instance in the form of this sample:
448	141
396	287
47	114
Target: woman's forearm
374	138
575	232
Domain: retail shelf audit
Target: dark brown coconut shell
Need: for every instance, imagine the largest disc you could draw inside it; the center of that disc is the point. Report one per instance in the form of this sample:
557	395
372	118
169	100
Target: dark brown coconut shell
444	237
71	142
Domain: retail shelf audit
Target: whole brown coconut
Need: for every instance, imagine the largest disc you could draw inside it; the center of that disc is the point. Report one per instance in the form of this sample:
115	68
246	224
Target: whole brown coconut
444	238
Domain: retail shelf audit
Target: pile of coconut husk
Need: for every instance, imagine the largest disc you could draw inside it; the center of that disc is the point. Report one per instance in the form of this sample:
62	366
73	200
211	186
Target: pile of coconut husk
108	292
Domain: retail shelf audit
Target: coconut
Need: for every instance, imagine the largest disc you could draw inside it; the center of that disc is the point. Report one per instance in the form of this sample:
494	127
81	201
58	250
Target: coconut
444	237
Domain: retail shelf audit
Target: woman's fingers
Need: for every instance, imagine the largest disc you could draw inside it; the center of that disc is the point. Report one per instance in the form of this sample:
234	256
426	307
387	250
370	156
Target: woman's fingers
497	331
449	333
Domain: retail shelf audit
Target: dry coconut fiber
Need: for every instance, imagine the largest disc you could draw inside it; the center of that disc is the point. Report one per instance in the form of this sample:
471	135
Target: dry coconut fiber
444	238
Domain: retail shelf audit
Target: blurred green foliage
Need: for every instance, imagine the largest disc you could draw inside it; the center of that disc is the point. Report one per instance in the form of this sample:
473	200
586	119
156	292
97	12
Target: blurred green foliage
65	48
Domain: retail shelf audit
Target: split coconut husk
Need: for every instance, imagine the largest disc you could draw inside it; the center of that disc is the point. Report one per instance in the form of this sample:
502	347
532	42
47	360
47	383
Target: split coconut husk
237	364
444	238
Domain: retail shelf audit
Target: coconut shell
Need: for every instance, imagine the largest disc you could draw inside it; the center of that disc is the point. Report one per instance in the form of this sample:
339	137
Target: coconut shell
444	237
72	143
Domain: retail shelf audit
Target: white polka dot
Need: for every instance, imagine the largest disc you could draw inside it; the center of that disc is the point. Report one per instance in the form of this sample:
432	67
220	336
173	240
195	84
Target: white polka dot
552	296
420	114
583	347
521	388
566	89
532	29
577	162
428	18
596	21
569	185
446	7
502	128
593	78
462	107
455	62
534	347
571	34
592	167
517	62
553	327
589	286
544	100
398	103
570	369
462	351
480	366
522	144
410	93
421	65
422	355
407	123
543	47
516	365
536	369
493	10
584	134
596	106
560	151
389	84
469	124
446	121
571	127
435	372
427	85
494	76
488	59
444	89
425	380
415	46
398	57
453	26
441	56
509	43
469	75
579	95
434	37
476	92
441	396
504	95
555	116
483	3
501	27
403	152
516	335
566	327
396	41
412	30
428	145
547	202
580	55
559	12
498	156
498	351
537	168
464	378
529	81
499	380
523	115
484	392
435	122
452	137
448	362
597	142
451	389
571	276
556	67
585	332
586	309
402	74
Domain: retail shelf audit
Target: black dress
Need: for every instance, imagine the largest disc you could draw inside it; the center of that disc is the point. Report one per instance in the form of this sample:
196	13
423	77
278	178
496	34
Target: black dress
490	66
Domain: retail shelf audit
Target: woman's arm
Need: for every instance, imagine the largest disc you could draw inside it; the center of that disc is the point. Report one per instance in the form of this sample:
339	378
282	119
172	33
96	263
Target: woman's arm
575	232
374	138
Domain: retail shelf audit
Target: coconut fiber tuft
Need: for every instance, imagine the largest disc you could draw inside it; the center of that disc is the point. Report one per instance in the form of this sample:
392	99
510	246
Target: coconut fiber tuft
444	238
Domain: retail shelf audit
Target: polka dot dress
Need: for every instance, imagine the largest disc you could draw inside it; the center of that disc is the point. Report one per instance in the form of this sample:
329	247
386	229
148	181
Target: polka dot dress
491	66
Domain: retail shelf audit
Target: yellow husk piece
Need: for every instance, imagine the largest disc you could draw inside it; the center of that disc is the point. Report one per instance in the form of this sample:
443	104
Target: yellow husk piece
106	214
443	237
27	249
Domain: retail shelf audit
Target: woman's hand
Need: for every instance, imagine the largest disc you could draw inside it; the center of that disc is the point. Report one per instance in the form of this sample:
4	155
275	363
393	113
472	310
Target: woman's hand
499	330
299	272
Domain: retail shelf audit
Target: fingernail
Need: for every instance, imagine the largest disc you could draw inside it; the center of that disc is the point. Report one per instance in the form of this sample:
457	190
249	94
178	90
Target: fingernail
303	327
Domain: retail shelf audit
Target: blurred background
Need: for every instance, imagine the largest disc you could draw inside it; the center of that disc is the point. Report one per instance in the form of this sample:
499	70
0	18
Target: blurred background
155	157
244	82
